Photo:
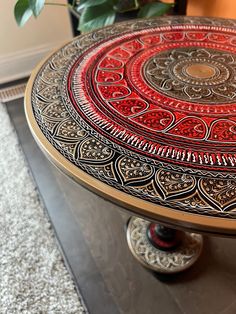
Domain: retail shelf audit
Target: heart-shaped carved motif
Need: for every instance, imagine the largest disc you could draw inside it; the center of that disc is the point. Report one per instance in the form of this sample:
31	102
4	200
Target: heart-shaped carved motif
216	37
151	39
197	92
190	127
129	106
70	131
55	111
223	131
133	170
120	53
93	150
113	91
108	77
226	91
197	35
110	63
174	183
222	192
157	120
174	36
132	46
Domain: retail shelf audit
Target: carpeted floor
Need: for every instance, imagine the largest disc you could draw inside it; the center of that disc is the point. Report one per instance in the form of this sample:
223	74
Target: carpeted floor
33	277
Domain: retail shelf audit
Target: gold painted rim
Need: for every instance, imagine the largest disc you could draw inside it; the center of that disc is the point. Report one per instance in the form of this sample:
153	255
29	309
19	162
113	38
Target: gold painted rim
175	218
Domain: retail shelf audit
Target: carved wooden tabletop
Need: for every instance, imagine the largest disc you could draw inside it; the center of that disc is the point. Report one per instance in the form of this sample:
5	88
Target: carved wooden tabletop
144	113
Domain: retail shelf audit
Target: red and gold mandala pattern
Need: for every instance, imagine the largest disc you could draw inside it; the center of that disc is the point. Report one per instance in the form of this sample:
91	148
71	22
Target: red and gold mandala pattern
148	107
143	92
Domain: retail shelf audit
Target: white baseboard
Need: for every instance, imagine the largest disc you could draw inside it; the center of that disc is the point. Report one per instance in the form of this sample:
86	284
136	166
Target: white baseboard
20	64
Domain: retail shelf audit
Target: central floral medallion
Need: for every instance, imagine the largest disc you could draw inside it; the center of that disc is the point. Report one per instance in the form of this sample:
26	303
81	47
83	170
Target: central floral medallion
193	74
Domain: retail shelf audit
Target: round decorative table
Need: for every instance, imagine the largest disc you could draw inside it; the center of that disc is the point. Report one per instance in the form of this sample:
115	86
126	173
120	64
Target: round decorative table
144	114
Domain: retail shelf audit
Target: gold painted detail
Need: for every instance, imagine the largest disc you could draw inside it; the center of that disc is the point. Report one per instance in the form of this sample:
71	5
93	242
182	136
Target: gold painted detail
55	111
172	183
221	192
70	130
132	169
92	149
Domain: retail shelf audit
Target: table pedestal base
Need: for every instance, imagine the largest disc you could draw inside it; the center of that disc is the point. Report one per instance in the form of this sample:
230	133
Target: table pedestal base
162	249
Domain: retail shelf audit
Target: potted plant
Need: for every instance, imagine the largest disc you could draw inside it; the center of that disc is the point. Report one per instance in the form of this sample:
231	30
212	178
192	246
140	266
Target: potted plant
93	14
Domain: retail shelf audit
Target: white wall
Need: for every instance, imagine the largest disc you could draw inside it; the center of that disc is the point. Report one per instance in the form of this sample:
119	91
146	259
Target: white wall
22	48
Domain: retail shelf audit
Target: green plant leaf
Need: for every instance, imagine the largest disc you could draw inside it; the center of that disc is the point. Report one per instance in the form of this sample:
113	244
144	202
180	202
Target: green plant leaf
97	16
126	5
36	6
154	9
22	12
89	3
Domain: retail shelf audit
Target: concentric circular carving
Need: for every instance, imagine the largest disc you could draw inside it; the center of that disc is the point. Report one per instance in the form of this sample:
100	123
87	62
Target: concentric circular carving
192	74
148	109
159	98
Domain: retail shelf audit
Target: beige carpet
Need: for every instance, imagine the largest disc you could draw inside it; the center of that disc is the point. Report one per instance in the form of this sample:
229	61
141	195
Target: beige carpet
33	277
